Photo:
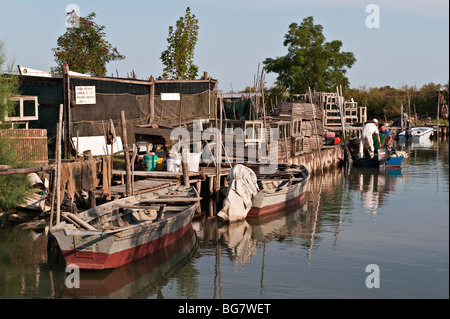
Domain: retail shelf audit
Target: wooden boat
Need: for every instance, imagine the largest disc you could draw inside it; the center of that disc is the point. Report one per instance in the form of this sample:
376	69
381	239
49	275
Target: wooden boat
417	133
140	279
119	232
279	194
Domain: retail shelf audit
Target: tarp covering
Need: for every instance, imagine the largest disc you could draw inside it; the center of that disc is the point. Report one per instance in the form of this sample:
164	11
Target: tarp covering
243	185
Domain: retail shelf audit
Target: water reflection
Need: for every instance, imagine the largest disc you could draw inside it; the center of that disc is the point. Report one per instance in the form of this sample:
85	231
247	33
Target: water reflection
211	260
144	278
241	239
373	186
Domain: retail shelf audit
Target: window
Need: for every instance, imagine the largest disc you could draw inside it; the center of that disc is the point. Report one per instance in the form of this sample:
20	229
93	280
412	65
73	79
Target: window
25	109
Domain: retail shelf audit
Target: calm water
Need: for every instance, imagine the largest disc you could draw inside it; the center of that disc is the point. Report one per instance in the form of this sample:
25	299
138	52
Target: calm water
397	220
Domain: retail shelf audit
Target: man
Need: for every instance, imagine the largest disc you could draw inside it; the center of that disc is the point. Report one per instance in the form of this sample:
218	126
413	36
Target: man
385	137
367	137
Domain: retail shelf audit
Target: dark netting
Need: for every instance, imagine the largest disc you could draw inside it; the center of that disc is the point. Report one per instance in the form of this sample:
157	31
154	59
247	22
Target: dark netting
93	120
238	109
191	107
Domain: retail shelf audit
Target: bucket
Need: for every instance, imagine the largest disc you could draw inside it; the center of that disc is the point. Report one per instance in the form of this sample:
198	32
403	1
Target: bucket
173	164
194	161
150	162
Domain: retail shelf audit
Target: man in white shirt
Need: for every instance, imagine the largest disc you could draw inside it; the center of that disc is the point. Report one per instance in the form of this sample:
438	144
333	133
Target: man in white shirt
367	137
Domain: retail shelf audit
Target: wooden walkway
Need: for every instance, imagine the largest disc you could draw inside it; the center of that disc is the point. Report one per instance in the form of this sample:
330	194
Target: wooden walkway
158	179
142	186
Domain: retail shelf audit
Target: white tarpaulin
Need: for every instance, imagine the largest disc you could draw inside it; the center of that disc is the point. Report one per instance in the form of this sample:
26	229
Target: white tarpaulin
241	189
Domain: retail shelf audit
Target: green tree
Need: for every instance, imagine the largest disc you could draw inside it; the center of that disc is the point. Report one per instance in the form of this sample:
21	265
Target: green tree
310	61
178	58
13	188
85	49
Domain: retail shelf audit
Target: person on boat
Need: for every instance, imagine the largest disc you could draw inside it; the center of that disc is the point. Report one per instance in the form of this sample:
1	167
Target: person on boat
385	136
369	130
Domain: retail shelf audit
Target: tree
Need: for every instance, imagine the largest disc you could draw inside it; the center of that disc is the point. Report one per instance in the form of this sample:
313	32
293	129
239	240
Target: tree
13	188
178	58
310	61
85	49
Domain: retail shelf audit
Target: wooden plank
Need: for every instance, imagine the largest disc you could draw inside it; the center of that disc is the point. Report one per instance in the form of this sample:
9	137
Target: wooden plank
78	220
27	170
143	186
171	200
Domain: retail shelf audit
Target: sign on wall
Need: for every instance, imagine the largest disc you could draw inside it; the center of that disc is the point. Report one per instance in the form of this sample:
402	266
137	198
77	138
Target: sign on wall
85	94
170	96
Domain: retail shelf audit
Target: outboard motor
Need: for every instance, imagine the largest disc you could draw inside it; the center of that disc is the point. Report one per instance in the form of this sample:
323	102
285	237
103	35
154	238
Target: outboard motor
382	155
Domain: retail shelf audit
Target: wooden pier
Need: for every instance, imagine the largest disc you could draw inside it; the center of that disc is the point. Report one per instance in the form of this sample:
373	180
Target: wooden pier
355	131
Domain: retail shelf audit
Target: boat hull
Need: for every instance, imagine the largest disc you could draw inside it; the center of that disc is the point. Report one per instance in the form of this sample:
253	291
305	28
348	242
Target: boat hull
418	133
103	250
266	202
390	163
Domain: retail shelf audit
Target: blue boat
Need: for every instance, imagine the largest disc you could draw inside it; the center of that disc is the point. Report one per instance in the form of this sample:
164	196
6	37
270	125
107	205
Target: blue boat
383	157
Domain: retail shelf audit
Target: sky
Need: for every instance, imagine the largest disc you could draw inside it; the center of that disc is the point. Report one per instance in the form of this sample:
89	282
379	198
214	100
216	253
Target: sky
410	46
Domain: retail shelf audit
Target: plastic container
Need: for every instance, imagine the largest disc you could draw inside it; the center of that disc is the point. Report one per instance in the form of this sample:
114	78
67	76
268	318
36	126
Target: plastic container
194	162
159	164
173	164
150	162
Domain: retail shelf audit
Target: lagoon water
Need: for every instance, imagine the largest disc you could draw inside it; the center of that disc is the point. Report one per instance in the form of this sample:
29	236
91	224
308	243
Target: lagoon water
360	233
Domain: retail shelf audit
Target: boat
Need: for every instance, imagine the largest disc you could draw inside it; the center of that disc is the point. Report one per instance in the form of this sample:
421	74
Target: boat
417	133
388	157
140	279
382	158
124	230
249	196
279	194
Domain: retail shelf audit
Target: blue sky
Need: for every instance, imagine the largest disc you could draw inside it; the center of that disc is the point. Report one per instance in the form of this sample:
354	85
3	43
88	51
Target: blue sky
410	47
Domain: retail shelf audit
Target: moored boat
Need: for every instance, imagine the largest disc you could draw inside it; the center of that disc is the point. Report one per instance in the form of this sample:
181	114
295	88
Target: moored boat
249	196
119	232
276	194
417	133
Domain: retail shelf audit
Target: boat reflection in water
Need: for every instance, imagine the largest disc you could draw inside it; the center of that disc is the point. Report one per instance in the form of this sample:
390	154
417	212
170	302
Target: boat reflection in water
143	278
409	144
374	186
241	238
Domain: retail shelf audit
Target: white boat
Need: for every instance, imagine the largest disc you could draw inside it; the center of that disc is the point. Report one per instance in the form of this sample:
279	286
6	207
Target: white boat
248	196
280	194
418	133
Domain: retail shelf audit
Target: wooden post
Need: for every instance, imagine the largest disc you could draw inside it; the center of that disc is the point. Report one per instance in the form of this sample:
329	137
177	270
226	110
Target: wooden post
415	115
91	194
401	116
185	167
219	149
55	178
127	155
211	184
78	145
152	100
66	99
181	109
437	116
58	166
